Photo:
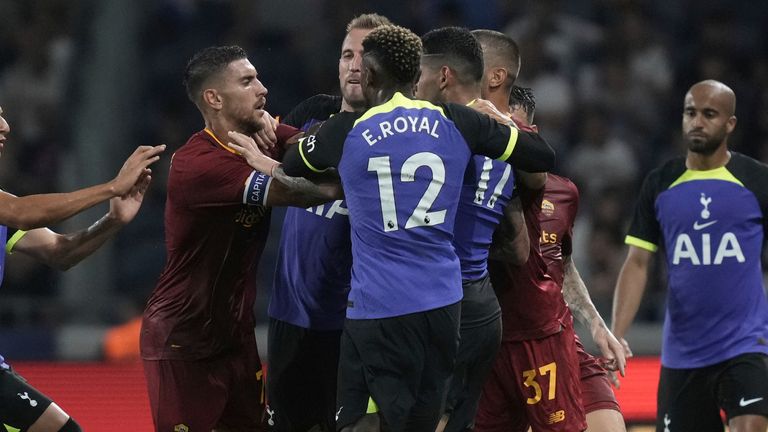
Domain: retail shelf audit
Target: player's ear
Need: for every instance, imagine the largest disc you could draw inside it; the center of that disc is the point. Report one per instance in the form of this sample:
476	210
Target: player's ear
212	98
497	77
445	74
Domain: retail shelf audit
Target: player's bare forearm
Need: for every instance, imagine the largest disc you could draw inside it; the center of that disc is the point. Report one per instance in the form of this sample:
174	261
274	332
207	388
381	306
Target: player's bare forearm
630	286
300	192
36	211
63	251
577	296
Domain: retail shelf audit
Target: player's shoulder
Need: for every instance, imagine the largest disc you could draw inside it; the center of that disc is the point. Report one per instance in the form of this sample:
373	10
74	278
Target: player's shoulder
664	175
561	189
747	166
454	110
201	152
560	183
316	108
338	125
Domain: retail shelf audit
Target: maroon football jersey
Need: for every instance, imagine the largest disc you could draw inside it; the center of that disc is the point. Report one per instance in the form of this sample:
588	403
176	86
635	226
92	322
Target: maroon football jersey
215	231
530	295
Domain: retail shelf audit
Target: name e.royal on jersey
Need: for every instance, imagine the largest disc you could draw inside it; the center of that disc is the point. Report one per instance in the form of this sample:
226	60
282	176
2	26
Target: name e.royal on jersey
413	124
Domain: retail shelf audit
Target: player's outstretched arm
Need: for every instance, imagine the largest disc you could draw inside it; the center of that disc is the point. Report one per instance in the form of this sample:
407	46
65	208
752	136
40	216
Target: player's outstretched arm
577	296
36	211
63	251
510	240
287	191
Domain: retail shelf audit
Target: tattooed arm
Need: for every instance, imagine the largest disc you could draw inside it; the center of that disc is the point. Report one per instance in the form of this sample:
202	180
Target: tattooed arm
576	295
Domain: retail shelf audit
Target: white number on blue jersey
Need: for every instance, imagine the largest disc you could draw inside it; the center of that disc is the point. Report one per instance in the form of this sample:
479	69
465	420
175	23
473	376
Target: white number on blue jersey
485	177
421	215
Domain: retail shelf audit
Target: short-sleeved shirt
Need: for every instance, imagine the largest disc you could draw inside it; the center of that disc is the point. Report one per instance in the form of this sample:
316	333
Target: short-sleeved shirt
402	165
215	229
530	295
712	227
314	260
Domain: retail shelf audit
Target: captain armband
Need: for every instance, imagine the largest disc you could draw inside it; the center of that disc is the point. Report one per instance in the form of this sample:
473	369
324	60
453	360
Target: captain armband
256	189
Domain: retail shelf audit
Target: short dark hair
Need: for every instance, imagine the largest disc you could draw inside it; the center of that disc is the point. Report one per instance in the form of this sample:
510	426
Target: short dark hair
501	49
523	96
459	49
367	21
398	51
207	63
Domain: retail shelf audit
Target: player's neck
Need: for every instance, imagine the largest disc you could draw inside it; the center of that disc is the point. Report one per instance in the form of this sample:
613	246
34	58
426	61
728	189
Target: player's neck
220	128
462	94
384	94
702	162
499	99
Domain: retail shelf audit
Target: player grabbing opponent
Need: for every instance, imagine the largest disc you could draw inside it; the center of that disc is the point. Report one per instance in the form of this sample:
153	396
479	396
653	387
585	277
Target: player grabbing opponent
197	340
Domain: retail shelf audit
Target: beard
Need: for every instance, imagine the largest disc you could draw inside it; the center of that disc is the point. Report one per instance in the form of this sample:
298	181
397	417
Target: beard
704	145
249	123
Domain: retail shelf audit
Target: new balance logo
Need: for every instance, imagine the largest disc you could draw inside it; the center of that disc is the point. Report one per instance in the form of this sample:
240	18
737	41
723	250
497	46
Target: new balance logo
556	417
32	402
743	403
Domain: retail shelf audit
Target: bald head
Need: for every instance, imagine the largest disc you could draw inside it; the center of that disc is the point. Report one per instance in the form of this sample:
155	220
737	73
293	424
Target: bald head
717	93
708	117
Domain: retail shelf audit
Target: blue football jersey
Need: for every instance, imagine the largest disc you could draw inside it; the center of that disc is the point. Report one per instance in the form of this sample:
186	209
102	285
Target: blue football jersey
487	188
314	259
711	225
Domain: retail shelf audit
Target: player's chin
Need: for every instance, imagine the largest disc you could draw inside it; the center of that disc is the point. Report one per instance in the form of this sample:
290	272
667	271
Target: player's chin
353	92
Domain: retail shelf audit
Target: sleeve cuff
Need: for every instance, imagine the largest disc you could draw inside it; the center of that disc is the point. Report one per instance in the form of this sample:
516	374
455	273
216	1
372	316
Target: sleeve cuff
642	244
513	135
13	240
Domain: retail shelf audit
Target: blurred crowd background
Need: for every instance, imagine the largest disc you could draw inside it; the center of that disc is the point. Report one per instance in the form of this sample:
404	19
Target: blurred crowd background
82	82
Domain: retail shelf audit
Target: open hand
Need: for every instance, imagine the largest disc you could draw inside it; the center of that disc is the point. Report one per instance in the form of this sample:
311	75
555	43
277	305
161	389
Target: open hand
135	168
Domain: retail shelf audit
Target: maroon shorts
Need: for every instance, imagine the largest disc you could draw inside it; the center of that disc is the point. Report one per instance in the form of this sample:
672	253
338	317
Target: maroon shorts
596	391
200	395
534	383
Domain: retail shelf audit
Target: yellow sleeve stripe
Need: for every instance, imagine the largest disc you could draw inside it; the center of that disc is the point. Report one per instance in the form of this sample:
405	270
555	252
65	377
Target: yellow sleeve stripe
372	407
513	135
13	240
304	158
642	244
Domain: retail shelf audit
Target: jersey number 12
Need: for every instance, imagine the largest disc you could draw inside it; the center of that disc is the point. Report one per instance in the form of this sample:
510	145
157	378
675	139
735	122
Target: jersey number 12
421	215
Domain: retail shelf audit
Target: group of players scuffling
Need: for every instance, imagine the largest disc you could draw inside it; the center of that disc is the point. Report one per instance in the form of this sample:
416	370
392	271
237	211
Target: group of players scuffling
425	278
